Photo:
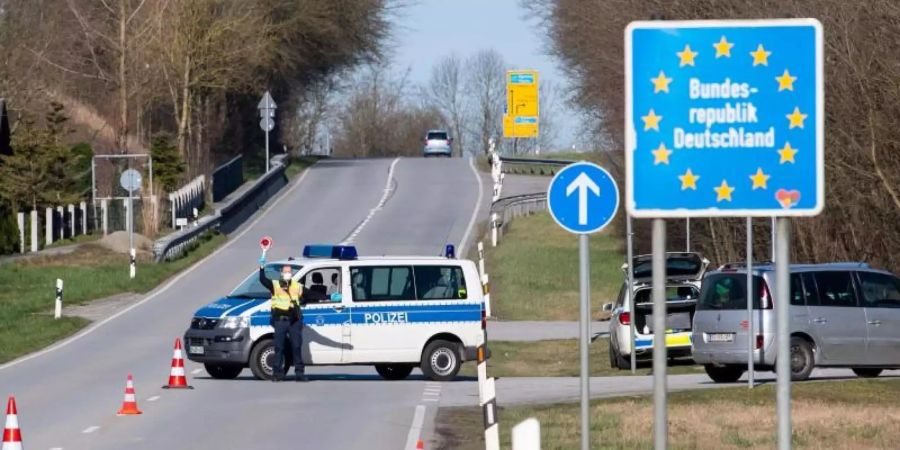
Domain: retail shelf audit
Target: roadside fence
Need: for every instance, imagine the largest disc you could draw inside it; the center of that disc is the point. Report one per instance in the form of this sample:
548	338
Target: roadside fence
186	200
61	222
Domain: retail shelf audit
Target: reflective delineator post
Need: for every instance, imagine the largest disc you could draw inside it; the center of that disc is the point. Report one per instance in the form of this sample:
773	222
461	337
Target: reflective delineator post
494	229
59	296
527	435
486	287
132	270
481	258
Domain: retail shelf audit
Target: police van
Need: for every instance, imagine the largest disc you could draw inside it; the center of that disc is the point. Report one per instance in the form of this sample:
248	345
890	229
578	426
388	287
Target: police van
395	313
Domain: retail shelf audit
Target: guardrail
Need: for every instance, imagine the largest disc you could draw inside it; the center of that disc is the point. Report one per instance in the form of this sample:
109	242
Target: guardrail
532	166
227	218
505	209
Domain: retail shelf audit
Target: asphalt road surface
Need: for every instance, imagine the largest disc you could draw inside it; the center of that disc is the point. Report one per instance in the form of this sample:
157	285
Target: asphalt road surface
68	395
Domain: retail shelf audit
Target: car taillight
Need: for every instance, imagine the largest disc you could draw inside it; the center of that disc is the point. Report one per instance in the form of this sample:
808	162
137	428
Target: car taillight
766	297
483	319
625	318
759	341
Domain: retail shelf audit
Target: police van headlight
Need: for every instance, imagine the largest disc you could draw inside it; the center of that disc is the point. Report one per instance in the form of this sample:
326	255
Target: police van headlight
231	323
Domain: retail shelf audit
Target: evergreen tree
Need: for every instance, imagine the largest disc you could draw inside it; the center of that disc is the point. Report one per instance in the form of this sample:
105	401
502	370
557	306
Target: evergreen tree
168	166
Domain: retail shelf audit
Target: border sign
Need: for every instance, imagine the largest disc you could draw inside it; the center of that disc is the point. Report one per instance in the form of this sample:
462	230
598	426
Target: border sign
724	118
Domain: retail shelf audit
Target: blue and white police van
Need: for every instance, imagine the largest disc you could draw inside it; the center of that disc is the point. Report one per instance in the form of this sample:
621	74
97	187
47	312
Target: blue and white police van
395	313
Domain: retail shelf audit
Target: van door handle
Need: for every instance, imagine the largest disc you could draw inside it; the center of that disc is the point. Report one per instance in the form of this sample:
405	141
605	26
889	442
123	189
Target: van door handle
338	308
820	320
874	322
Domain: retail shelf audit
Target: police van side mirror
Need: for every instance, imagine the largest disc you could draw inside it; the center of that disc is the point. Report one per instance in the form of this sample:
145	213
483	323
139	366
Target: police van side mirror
337	297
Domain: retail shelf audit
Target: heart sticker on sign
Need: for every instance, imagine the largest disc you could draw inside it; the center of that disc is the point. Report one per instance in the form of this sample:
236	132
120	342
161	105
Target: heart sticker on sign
787	198
265	243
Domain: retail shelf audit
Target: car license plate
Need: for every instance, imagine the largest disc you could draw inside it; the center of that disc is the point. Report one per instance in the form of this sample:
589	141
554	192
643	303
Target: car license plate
195	350
721	337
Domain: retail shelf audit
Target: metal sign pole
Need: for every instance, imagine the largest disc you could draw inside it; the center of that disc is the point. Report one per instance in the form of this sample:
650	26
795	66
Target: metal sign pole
782	360
584	258
751	335
773	238
687	234
660	403
267	151
630	298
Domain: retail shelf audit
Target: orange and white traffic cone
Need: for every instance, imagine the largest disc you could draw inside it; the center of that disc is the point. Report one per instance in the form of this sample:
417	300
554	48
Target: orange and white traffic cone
129	405
12	435
177	378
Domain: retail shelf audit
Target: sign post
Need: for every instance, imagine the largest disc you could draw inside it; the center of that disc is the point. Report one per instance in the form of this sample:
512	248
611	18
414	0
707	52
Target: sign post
583	199
131	182
522	104
724	119
266	109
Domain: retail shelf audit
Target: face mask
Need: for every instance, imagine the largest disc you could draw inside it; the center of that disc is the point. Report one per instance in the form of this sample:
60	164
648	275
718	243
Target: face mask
286	276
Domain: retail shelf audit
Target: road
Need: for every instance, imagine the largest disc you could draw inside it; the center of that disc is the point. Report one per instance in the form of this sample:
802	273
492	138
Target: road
68	394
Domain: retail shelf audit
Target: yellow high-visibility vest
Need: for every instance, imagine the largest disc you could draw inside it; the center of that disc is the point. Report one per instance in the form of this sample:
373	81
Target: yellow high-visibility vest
283	299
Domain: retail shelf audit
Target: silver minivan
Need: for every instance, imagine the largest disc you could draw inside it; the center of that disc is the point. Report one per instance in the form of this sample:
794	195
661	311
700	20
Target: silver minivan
841	315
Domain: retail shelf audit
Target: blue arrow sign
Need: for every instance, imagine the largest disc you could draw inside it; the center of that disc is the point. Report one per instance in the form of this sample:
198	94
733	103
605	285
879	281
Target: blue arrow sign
583	198
724	118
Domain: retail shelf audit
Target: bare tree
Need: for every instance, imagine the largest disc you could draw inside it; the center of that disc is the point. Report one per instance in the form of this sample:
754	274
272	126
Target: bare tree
486	87
445	91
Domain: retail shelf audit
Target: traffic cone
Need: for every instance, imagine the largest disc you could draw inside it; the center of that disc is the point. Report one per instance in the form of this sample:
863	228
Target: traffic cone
129	406
177	379
420	445
12	436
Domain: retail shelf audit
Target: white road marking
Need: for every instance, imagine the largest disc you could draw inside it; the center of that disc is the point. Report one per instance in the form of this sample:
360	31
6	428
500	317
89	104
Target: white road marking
90	429
153	399
162	289
196	371
387	191
464	243
416	428
431	399
56	448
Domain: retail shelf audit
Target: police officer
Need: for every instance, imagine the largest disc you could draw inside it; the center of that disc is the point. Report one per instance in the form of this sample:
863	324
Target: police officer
287	319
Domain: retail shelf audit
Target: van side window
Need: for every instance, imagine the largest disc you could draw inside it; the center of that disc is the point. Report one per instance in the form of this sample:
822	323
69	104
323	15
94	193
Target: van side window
879	290
809	286
440	283
798	296
382	283
835	289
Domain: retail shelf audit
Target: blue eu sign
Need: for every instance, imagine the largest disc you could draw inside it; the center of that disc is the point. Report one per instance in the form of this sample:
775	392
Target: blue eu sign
583	198
724	118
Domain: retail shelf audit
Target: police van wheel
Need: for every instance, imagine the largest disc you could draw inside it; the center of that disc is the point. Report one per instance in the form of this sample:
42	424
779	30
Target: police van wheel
441	360
394	371
223	371
262	359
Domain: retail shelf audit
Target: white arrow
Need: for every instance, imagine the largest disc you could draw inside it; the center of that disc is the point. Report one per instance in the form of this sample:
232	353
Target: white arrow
582	183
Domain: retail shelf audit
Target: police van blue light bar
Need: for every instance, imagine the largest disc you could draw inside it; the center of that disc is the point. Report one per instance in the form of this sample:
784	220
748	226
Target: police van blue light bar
450	251
330	251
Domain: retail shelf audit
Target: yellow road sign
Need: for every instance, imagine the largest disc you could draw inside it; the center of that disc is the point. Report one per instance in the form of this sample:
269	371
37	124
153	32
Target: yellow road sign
522	105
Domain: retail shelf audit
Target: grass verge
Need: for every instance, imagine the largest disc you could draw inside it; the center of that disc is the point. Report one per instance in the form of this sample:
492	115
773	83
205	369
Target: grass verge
832	414
560	358
299	164
90	272
534	270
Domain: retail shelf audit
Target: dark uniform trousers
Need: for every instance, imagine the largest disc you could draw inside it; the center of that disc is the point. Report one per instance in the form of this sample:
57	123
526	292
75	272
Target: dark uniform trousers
287	328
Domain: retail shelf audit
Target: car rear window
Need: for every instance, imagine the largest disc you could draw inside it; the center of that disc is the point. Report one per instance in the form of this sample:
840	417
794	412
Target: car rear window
676	266
729	291
438	135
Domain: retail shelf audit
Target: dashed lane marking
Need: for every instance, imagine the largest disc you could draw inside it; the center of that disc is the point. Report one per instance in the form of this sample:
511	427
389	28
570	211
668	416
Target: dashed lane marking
388	188
90	429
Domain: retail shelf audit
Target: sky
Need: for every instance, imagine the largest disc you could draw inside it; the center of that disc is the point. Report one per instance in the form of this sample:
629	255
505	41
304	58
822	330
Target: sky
428	30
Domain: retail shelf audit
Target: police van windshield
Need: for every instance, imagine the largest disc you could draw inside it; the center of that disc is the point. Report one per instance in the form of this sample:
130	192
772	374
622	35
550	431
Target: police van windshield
252	288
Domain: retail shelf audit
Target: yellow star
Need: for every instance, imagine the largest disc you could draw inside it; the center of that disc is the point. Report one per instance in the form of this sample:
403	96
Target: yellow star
787	153
687	56
786	81
661	154
723	48
759	179
651	120
760	56
723	191
796	118
660	83
688	180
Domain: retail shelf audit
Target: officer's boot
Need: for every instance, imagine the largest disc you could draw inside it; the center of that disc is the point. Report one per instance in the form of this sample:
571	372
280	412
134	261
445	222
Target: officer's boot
300	374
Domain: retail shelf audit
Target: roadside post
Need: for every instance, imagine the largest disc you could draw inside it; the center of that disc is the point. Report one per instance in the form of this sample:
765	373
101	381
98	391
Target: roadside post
57	313
726	119
266	109
630	255
583	199
131	182
751	335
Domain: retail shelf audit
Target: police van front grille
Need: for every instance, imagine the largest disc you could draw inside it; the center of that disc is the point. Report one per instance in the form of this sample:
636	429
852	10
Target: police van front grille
200	342
201	323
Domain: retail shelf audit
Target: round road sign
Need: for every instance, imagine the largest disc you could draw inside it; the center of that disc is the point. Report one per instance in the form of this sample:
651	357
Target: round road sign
130	180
